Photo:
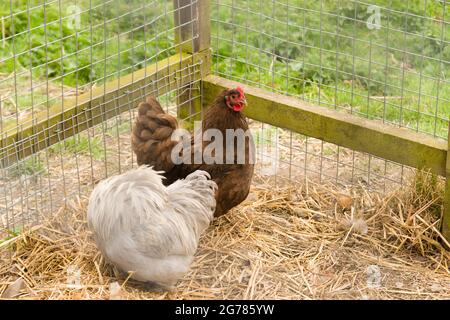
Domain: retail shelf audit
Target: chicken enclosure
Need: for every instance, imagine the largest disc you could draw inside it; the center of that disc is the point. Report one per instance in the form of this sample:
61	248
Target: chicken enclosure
349	104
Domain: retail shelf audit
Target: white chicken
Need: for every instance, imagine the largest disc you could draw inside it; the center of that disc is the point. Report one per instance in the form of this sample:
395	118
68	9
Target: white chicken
148	229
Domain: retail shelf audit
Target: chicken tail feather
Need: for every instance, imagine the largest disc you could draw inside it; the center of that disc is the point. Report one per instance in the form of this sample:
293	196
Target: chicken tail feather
152	135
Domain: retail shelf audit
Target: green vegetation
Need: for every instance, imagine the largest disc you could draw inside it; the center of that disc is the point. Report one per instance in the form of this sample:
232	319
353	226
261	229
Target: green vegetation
52	49
107	43
321	51
428	189
29	167
81	144
12	232
324	52
119	128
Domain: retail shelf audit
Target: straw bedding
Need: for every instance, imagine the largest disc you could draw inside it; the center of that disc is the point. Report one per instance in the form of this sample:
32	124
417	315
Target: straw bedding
302	241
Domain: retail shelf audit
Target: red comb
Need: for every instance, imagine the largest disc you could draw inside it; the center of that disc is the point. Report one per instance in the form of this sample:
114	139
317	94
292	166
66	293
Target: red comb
241	91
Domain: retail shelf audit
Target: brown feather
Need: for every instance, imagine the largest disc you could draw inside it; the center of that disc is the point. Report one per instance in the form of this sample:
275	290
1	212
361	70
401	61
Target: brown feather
152	144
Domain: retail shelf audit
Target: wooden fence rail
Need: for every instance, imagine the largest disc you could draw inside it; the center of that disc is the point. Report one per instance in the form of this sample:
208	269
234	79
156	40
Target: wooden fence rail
400	145
446	214
74	115
385	141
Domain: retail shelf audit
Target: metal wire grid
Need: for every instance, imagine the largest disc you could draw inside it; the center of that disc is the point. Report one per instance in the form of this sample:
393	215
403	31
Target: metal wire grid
323	52
39	184
284	156
100	50
42	183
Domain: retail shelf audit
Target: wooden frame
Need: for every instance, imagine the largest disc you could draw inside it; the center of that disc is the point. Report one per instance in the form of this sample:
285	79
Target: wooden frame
193	35
193	25
446	217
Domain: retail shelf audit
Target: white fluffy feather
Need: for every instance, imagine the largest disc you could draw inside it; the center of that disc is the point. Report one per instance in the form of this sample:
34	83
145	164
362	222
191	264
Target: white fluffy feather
152	230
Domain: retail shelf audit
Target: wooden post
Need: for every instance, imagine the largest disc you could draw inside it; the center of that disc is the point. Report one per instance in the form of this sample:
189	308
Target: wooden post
446	216
193	36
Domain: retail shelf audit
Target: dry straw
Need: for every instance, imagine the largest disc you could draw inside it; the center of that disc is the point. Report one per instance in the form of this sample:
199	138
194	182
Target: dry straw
307	242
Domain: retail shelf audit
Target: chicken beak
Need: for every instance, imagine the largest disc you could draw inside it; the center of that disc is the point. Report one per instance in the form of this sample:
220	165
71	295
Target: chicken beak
244	102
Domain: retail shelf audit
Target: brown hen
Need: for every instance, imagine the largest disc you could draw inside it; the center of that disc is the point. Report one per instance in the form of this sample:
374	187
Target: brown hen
153	145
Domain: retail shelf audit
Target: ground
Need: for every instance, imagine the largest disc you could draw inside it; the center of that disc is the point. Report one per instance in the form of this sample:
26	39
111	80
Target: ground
298	238
281	244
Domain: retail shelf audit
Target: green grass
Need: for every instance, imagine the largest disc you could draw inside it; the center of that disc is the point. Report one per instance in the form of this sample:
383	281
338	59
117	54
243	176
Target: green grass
74	54
121	127
325	53
29	167
12	232
80	144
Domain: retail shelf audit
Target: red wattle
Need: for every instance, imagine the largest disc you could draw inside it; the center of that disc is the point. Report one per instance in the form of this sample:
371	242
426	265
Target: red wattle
238	107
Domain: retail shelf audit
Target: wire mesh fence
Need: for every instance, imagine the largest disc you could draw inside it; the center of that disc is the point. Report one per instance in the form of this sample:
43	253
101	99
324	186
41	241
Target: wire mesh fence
284	155
57	53
378	60
372	59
